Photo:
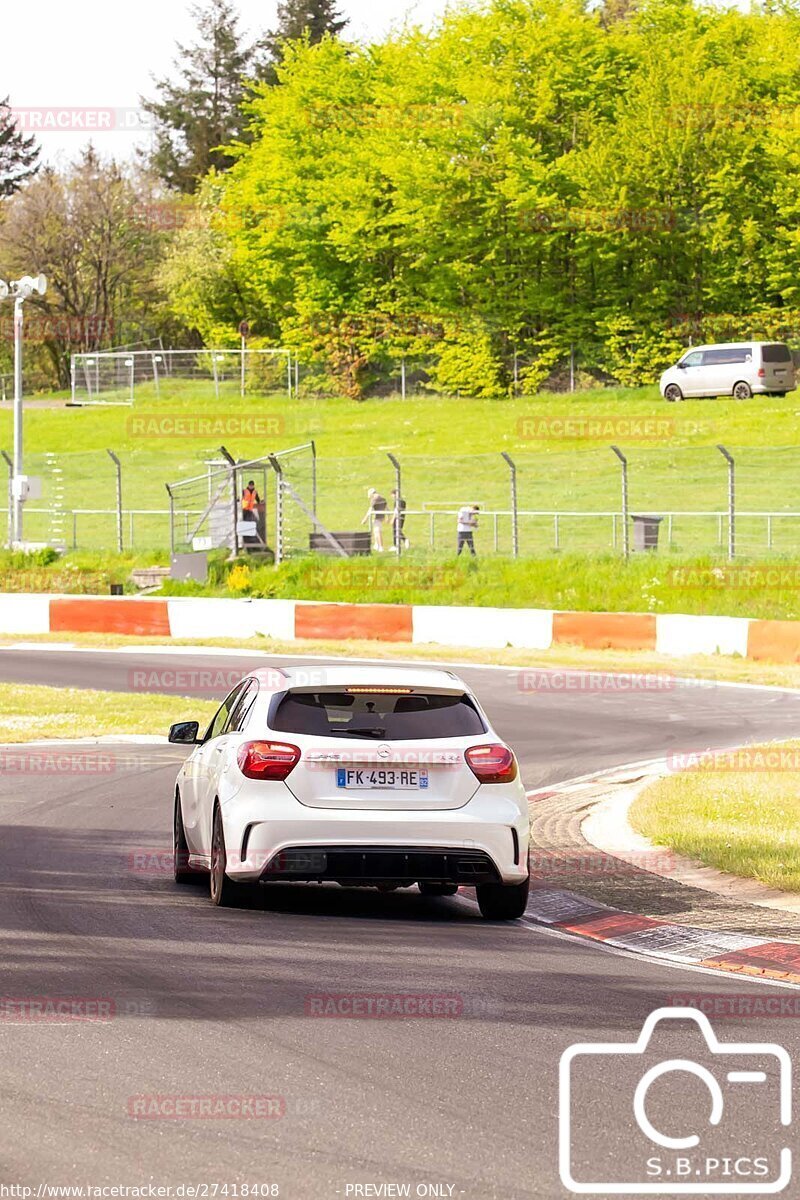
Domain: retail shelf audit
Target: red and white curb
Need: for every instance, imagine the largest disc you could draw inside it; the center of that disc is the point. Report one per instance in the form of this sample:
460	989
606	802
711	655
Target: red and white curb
573	914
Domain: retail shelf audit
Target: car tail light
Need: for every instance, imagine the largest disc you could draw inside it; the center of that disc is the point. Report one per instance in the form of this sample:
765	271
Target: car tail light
762	373
267	760
492	764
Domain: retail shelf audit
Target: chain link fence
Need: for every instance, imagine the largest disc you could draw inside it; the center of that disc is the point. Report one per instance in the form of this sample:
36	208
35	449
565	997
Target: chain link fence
579	501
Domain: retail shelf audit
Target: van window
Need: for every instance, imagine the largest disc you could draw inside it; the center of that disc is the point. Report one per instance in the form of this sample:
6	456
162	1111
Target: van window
693	360
727	355
380	714
777	353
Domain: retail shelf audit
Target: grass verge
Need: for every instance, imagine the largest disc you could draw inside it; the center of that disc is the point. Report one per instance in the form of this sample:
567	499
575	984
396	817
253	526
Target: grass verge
28	712
743	820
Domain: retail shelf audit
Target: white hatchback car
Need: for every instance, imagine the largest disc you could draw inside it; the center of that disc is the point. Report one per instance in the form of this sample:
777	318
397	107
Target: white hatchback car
363	776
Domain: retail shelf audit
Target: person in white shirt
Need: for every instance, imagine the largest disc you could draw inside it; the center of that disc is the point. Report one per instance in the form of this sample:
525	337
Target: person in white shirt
467	524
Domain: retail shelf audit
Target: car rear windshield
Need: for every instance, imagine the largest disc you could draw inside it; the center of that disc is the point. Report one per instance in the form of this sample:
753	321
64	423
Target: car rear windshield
383	715
776	353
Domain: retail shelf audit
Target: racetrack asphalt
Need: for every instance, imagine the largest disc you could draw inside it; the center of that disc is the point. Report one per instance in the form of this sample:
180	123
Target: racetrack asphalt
204	1002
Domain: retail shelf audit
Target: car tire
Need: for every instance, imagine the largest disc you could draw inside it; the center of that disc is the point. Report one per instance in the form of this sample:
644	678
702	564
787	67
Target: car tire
502	901
742	390
438	889
672	393
182	872
225	893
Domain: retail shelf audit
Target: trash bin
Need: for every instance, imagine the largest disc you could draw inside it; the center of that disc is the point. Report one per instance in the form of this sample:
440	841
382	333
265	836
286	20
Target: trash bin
645	532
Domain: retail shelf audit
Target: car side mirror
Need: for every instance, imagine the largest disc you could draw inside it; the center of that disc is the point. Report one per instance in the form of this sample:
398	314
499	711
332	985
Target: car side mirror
681	366
185	733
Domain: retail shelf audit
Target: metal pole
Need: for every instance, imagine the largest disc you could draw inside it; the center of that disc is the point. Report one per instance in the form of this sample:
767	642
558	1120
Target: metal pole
234	498
731	501
10	464
171	519
17	525
313	445
296	376
243	362
72	376
572	368
289	372
397	508
626	538
514	518
216	376
118	465
403	377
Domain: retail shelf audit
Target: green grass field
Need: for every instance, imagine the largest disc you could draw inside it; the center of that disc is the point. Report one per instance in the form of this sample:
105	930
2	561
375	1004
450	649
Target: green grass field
740	820
450	453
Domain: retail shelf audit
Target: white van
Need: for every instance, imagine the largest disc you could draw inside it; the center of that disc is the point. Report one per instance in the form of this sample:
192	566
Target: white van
739	369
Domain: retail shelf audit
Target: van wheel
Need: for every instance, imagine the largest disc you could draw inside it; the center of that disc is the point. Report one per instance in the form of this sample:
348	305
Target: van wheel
742	390
672	393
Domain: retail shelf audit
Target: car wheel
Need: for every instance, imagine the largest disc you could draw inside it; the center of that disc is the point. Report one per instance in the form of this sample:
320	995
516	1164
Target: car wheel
672	393
224	892
180	849
438	889
501	901
742	390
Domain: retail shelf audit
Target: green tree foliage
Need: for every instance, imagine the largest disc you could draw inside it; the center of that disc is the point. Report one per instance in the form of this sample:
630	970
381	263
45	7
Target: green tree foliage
531	176
97	235
199	111
19	154
298	20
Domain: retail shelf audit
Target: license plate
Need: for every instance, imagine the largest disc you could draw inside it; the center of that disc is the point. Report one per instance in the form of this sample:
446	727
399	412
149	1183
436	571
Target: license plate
392	778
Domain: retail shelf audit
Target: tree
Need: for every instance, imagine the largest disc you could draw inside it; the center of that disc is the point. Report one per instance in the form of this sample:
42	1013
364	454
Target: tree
19	153
299	20
90	230
200	114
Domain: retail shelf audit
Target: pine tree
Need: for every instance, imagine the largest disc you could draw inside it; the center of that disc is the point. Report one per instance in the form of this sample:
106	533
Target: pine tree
19	153
201	112
311	19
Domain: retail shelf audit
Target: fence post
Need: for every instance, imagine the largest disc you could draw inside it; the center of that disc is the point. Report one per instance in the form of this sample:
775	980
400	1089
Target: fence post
171	519
313	445
10	464
234	498
731	501
118	465
276	466
626	540
397	516
514	518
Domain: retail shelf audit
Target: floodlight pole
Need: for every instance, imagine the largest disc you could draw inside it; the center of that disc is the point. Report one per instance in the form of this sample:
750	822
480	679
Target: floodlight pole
514	507
10	464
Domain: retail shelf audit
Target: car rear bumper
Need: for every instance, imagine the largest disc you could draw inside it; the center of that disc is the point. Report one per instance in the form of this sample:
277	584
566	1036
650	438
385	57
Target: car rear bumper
485	840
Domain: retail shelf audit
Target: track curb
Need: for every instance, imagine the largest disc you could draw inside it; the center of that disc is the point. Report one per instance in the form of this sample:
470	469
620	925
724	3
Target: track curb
581	916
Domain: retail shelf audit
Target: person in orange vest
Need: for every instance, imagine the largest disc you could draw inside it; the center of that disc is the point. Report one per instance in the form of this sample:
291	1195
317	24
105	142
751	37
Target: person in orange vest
250	502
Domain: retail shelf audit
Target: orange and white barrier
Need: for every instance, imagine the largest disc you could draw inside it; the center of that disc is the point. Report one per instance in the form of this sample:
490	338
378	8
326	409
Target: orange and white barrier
675	635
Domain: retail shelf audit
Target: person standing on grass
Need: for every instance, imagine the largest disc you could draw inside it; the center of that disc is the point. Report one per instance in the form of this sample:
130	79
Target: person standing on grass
398	521
250	502
467	524
377	514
